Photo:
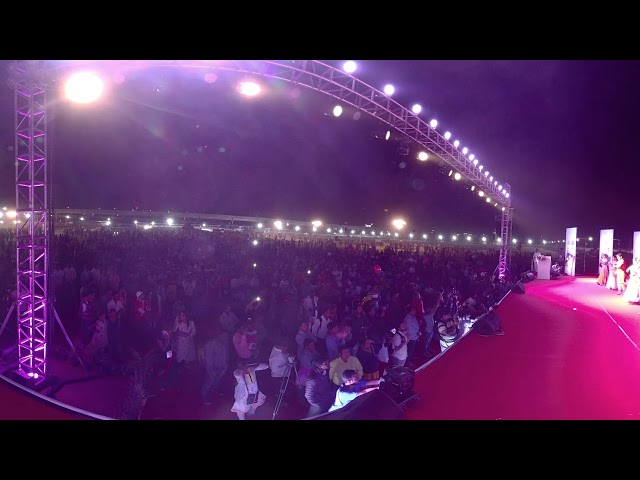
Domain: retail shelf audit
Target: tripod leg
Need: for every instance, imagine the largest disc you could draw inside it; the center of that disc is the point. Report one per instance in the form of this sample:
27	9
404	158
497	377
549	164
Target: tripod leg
283	389
6	319
73	347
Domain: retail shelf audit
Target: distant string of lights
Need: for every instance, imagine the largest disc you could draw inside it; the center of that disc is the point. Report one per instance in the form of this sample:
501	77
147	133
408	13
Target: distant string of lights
301	228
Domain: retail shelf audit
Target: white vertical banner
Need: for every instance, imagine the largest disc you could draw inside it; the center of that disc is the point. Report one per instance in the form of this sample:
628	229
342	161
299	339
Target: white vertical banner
636	245
606	242
570	251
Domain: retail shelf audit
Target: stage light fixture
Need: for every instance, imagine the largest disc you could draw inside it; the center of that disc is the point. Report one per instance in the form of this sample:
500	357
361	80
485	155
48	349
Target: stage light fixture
83	87
249	89
423	156
349	66
433	123
457	176
465	150
416	109
447	135
387	135
389	90
337	111
456	143
471	157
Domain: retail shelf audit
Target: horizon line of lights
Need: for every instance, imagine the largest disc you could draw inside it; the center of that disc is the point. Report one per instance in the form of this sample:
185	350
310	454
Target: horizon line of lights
85	87
315	224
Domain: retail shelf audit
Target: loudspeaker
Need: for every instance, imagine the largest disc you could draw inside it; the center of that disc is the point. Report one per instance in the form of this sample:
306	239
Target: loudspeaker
375	405
528	277
487	325
518	288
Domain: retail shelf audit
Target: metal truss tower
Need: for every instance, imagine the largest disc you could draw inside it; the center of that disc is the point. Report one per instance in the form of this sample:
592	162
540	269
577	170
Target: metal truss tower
32	226
505	242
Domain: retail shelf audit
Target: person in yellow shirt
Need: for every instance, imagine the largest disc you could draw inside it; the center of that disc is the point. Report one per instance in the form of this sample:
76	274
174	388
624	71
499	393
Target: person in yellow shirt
344	362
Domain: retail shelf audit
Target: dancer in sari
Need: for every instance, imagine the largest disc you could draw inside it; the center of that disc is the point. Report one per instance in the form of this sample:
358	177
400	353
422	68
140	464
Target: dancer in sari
612	281
604	270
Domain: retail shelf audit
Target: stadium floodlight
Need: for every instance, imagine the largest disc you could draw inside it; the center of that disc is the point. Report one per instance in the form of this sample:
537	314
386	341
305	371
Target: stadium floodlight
249	89
349	66
465	150
433	123
456	143
389	90
398	223
472	156
417	108
83	87
447	135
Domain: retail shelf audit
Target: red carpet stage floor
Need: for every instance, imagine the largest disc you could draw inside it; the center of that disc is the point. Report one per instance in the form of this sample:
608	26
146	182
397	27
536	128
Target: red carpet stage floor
570	351
18	403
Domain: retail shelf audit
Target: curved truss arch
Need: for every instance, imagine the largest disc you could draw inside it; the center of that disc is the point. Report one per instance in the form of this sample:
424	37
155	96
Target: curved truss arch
344	87
30	80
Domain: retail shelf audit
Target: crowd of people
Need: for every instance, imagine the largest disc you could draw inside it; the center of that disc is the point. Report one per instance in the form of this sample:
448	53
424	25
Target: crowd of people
203	307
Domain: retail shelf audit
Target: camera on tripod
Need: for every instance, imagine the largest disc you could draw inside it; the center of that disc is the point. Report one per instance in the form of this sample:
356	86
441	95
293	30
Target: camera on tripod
291	360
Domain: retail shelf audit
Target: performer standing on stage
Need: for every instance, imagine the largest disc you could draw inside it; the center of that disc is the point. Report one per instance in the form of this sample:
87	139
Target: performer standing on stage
621	267
612	281
604	270
632	292
534	261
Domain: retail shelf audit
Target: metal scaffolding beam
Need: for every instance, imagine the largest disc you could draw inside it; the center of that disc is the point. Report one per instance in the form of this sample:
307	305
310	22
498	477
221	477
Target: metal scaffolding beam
32	233
29	79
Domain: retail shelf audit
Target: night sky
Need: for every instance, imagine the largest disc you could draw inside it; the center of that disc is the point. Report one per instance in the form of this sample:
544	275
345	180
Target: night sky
561	133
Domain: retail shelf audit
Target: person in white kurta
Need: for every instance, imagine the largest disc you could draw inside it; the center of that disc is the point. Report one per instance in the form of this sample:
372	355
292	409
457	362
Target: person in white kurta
247	385
184	331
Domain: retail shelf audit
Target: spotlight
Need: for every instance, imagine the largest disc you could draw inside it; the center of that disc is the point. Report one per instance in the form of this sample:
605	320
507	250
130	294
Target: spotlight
433	123
387	135
249	89
337	111
349	66
416	109
447	135
83	87
423	156
388	90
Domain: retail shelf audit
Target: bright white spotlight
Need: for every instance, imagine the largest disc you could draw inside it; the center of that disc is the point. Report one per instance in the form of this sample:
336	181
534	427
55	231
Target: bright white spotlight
249	89
457	176
337	111
475	162
83	87
398	223
484	239
423	156
278	224
488	200
388	90
316	223
349	66
480	167
481	193
169	221
468	238
387	135
447	135
456	143
255	243
472	156
439	237
473	187
529	241
433	123
297	228
486	173
454	237
416	109
259	225
465	150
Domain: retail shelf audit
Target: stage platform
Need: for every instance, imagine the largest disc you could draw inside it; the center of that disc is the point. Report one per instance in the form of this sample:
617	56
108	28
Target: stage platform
570	351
